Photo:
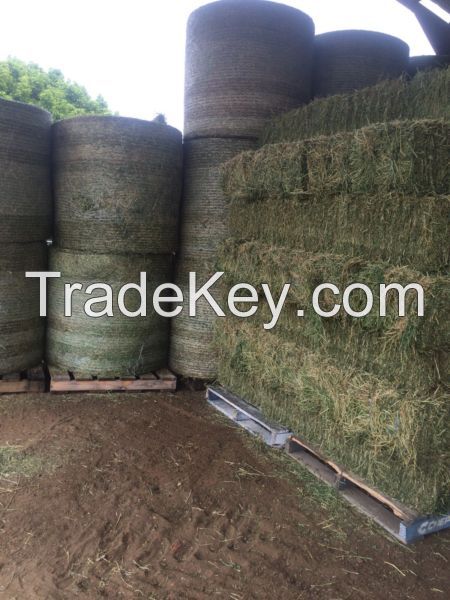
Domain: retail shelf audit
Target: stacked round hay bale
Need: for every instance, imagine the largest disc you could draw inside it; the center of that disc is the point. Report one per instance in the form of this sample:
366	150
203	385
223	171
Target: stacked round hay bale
117	185
354	59
25	224
246	61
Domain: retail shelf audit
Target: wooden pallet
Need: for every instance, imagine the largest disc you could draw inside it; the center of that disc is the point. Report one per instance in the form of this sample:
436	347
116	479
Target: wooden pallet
247	416
400	521
32	380
397	519
68	381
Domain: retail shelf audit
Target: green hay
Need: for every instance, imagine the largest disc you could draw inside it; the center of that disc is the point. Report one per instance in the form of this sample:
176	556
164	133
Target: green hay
426	96
397	441
14	462
401	230
255	263
409	352
402	157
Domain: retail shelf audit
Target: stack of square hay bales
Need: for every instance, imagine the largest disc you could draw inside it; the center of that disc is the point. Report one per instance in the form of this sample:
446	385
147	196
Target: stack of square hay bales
369	206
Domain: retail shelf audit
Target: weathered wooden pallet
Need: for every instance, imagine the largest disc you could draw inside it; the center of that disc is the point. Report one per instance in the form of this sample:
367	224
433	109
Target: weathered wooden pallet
397	519
400	521
32	380
69	381
247	416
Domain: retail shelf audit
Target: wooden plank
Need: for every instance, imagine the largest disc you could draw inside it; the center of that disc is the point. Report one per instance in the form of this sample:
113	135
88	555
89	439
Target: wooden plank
166	375
401	511
111	385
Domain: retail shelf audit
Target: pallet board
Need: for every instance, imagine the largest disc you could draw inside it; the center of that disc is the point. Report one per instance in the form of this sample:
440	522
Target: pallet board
32	380
400	521
247	416
68	381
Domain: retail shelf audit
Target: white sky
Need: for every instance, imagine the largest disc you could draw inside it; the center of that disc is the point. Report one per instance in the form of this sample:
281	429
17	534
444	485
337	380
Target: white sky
132	52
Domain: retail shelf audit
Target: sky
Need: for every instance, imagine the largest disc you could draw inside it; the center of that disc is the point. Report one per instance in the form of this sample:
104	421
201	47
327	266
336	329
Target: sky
132	51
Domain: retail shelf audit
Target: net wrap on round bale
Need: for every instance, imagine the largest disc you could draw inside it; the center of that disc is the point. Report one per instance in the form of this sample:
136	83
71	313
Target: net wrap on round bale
246	61
354	59
117	185
107	346
204	226
21	328
25	182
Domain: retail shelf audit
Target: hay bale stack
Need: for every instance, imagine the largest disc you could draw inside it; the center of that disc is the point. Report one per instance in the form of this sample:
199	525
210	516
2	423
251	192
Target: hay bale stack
401	157
106	346
25	188
22	330
369	207
426	63
246	60
350	60
395	439
402	230
117	194
204	226
117	185
426	96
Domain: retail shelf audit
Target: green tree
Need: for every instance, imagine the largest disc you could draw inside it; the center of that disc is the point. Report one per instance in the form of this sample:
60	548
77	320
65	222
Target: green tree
49	89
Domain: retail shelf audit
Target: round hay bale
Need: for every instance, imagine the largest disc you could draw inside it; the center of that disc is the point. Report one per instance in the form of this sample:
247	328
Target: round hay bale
22	331
425	63
106	346
246	61
354	59
117	185
192	350
25	183
204	206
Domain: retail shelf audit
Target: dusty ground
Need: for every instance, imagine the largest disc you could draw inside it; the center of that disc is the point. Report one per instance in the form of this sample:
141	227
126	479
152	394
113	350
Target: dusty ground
155	496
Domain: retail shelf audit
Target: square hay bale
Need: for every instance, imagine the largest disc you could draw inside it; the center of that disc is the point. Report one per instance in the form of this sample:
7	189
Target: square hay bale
401	230
395	439
408	350
424	97
401	157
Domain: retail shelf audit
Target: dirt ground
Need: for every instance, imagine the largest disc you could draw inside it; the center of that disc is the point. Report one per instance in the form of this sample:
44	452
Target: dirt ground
157	496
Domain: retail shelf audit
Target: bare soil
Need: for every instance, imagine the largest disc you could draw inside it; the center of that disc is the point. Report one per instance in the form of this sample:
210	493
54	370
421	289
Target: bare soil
156	496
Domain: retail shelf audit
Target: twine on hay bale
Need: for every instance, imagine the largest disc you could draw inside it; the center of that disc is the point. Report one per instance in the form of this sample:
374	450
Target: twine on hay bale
349	60
246	60
107	346
426	96
117	185
25	185
21	328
